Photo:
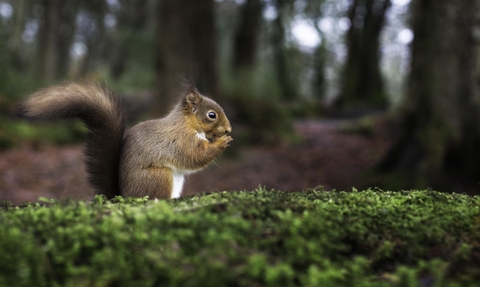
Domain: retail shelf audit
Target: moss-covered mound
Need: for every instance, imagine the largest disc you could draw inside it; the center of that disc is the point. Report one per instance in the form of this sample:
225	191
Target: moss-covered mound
259	238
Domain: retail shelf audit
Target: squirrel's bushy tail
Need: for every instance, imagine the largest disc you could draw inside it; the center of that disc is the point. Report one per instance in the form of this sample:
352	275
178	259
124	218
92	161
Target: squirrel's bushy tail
102	112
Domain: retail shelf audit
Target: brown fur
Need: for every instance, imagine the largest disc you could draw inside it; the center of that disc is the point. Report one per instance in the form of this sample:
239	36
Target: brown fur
153	156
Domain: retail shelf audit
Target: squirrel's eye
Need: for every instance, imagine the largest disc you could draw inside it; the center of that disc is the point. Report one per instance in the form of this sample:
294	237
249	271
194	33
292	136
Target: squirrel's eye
212	115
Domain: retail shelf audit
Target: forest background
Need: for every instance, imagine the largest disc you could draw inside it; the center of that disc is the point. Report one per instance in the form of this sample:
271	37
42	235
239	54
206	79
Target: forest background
404	71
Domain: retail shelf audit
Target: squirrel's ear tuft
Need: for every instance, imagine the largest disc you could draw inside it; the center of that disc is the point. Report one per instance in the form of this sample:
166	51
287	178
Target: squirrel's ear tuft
192	96
192	101
188	85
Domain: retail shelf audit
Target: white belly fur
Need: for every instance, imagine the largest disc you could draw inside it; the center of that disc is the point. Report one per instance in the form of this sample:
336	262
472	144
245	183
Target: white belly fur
178	178
179	175
177	184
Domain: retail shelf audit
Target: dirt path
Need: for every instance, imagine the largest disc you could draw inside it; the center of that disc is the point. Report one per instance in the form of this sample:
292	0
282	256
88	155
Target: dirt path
325	157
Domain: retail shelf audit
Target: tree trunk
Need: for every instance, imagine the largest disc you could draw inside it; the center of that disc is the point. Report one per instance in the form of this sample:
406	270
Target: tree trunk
49	40
55	38
186	46
92	28
440	130
16	43
362	80
319	80
246	36
131	22
282	64
66	32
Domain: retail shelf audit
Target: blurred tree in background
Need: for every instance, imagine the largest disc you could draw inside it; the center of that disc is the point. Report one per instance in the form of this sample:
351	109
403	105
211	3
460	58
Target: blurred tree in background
186	45
362	82
440	127
239	51
132	19
269	62
246	35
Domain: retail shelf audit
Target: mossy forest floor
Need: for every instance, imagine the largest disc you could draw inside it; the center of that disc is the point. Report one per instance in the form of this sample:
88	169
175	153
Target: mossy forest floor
264	237
257	238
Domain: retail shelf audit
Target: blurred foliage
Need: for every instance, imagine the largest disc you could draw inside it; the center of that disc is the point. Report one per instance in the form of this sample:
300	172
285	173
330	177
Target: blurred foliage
14	132
363	126
128	45
258	238
117	42
261	115
439	131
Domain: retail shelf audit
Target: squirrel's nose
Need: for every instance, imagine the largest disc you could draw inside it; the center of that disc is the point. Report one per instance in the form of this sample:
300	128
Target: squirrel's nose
228	130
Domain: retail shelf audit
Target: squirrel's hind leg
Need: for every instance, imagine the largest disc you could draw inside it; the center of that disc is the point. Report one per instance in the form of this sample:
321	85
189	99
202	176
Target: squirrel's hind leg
154	182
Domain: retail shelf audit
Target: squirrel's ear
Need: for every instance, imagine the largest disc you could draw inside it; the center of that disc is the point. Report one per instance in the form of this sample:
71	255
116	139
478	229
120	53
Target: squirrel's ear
192	101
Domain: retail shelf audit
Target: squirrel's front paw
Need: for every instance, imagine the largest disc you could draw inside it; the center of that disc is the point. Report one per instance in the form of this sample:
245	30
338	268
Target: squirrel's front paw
224	141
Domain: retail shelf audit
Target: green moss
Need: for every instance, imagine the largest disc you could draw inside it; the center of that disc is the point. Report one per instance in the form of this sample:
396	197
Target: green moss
258	238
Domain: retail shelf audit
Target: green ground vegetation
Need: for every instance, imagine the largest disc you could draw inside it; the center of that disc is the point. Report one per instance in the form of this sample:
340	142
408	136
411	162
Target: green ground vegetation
257	238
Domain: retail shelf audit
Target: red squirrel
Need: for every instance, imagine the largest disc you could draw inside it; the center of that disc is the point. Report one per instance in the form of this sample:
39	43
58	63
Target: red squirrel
153	157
